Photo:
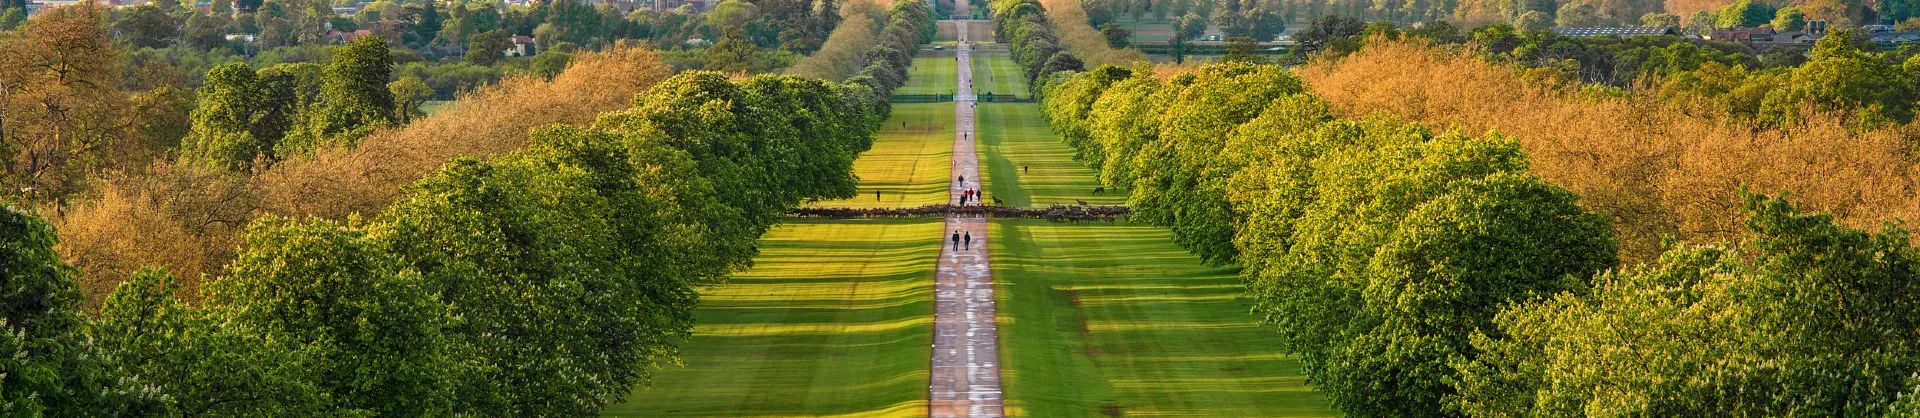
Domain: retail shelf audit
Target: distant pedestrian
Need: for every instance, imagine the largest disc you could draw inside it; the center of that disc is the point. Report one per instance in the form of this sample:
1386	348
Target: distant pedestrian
963	180
969	241
876	195
956	239
1023	169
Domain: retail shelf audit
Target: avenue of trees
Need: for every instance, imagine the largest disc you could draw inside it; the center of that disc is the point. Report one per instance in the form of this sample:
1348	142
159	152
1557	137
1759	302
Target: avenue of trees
544	278
1424	273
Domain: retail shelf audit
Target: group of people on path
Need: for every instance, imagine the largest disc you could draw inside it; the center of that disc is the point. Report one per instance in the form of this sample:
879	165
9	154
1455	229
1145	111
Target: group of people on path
962	240
968	194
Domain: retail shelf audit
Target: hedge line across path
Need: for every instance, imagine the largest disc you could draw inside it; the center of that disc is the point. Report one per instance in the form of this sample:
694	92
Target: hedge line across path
1057	213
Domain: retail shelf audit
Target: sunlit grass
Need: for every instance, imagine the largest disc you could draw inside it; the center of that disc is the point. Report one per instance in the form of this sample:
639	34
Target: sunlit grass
910	162
994	72
833	320
1113	318
1013	135
934	75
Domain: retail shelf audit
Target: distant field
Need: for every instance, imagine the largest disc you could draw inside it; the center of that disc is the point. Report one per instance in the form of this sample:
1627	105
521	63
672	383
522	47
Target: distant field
834	319
1113	319
910	161
994	72
1014	135
931	76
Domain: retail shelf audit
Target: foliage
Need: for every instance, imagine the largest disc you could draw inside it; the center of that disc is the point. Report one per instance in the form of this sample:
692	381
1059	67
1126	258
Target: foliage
1803	320
1377	247
353	94
51	366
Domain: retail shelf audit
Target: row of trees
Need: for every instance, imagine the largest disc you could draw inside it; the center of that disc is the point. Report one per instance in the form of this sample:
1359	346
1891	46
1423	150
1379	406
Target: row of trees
1422	274
1023	25
1430	275
541	282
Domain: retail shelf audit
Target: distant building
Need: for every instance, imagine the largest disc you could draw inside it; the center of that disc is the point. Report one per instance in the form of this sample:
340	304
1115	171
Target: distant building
1742	35
337	36
1620	32
523	46
1894	37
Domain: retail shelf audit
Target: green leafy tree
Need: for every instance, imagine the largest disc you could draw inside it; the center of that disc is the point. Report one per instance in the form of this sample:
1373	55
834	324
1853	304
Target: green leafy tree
732	54
1117	37
485	48
1839	77
366	329
198	366
1743	14
430	24
220	133
354	98
1577	14
1789	19
1240	49
51	367
549	64
149	26
408	94
1806	318
1660	20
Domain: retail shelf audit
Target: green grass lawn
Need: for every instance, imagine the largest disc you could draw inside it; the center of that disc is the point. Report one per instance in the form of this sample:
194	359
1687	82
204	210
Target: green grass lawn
930	76
1013	135
996	72
834	319
1114	319
910	162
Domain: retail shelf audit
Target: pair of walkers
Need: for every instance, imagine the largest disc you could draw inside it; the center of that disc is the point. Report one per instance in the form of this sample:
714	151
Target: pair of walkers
962	240
969	195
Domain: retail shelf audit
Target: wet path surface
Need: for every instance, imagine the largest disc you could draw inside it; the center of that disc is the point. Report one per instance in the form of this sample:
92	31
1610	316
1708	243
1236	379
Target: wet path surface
966	345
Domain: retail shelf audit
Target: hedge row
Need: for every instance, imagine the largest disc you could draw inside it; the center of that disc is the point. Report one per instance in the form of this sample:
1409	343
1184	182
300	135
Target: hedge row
545	282
1427	274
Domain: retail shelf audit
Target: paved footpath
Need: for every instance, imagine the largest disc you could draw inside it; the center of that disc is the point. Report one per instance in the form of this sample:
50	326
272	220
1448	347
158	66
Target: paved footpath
966	344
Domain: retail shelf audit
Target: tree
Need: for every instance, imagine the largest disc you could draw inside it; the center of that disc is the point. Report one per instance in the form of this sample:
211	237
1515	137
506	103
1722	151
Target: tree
1660	20
197	365
1743	14
732	54
549	64
429	25
1700	23
1186	28
148	26
222	122
1839	77
60	103
367	330
1576	14
1240	49
485	48
1117	37
1789	19
353	94
51	366
1326	30
1804	318
408	94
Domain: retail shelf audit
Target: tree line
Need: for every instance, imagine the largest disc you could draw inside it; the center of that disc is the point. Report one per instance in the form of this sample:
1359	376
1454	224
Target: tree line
544	281
1423	273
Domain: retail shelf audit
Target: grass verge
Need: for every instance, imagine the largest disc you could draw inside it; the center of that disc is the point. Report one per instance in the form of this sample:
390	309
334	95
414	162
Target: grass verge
1113	319
910	162
834	319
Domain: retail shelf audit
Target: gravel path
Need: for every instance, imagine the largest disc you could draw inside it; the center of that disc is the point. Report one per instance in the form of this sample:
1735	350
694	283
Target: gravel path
966	344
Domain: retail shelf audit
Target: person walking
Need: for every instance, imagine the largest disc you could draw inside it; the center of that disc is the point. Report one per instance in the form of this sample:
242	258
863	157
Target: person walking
969	241
1023	169
956	239
876	195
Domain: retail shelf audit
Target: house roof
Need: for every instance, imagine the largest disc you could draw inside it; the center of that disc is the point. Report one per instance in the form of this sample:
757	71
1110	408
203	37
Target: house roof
1588	32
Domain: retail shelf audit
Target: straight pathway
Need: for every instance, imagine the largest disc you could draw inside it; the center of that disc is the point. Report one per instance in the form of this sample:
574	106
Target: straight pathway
966	342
